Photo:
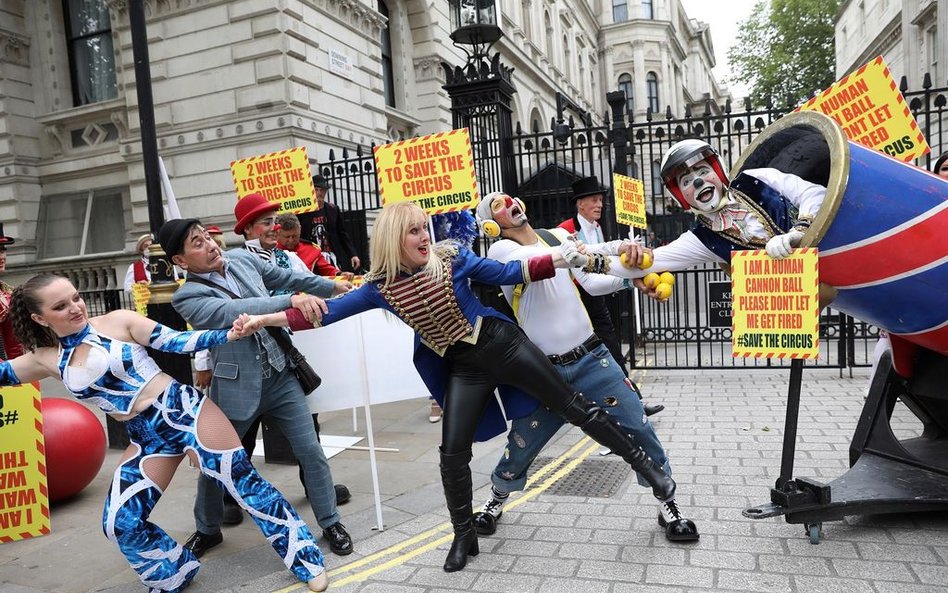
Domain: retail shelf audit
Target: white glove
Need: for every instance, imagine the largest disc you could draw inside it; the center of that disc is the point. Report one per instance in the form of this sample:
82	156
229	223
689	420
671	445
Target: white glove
569	250
780	246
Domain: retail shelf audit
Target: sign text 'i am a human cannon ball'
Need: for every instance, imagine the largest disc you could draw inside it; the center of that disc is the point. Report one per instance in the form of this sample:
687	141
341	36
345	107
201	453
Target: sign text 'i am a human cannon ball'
436	172
775	304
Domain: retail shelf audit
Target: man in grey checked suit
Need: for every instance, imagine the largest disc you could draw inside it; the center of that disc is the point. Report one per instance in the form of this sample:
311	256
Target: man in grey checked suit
252	376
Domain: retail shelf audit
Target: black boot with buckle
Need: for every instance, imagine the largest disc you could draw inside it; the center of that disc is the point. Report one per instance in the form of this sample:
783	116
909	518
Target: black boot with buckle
596	423
456	480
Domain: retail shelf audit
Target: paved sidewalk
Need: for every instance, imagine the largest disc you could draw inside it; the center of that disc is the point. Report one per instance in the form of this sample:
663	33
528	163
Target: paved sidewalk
723	430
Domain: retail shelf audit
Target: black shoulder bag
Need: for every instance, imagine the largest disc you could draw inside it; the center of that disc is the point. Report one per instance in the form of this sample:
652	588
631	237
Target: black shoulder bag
307	376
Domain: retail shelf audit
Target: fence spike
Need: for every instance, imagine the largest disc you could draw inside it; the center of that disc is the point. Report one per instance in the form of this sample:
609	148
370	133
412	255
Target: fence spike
332	154
707	107
747	103
687	111
345	153
903	84
927	81
648	113
727	106
668	112
358	150
518	131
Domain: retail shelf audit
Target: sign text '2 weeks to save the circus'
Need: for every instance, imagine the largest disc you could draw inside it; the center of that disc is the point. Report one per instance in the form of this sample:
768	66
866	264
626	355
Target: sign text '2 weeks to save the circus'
436	172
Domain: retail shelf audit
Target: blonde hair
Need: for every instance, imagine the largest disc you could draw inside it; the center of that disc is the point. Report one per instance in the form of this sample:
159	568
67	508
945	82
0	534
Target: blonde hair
386	245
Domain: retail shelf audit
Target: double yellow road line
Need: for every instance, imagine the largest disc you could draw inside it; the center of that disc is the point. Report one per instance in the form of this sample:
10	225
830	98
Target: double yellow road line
400	553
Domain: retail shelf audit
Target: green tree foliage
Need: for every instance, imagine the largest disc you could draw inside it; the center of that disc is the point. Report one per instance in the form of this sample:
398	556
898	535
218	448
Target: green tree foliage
785	49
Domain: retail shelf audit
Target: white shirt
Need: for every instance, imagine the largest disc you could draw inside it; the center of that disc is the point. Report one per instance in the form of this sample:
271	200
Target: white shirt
688	251
589	231
551	312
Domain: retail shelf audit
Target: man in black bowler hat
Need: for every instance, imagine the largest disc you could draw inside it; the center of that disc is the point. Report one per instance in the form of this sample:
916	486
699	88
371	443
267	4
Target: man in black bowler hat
588	197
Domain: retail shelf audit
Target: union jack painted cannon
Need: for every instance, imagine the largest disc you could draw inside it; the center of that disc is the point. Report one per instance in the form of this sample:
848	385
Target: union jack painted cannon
882	233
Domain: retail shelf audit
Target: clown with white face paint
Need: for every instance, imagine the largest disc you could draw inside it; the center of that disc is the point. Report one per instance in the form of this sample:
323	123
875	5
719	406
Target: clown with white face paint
761	209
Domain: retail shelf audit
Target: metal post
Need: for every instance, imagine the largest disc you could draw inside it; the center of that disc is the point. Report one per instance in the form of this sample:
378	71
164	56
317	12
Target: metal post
790	424
163	284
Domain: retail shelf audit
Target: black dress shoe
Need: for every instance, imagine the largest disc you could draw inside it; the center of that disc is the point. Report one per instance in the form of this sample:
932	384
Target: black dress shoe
652	409
342	494
485	523
199	542
677	528
339	540
233	514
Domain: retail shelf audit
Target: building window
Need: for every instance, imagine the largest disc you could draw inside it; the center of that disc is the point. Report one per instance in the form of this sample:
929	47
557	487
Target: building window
651	87
82	224
625	85
548	25
648	11
388	70
620	11
932	43
91	57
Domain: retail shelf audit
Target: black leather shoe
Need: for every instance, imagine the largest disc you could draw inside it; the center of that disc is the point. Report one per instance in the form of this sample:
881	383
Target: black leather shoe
233	514
199	542
485	523
339	540
677	528
652	409
342	494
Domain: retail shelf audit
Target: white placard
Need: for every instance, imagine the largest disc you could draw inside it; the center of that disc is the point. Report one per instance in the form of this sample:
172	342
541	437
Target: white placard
339	64
336	352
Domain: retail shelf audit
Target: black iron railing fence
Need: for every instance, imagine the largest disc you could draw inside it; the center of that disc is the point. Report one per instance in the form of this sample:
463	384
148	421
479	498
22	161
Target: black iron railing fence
539	166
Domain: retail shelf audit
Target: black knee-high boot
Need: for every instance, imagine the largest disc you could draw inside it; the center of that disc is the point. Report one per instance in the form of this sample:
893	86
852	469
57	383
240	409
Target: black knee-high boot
596	423
456	479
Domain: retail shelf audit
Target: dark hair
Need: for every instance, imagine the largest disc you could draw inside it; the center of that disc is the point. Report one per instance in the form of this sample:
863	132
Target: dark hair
23	304
288	221
939	162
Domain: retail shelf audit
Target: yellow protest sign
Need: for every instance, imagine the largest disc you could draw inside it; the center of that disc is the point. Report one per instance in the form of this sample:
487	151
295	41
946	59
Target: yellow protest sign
436	172
140	296
872	111
357	281
775	304
630	200
281	177
24	499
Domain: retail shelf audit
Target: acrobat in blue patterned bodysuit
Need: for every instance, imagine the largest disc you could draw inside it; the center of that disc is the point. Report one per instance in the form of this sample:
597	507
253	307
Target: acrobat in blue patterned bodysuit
168	428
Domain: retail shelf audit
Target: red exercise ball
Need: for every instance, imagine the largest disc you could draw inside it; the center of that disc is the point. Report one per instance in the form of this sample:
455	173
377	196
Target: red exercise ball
75	446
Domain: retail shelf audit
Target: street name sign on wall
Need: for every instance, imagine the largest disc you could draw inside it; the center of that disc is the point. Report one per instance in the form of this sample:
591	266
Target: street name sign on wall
436	172
776	307
872	111
281	177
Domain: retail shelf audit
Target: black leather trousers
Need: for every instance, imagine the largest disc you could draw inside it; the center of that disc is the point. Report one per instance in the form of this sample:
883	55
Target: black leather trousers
504	355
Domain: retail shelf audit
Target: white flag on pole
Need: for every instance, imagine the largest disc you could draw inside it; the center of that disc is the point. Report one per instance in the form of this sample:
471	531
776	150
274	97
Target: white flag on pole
171	204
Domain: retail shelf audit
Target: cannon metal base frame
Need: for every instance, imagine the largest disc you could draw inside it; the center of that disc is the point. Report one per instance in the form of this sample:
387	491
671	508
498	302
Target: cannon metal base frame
887	475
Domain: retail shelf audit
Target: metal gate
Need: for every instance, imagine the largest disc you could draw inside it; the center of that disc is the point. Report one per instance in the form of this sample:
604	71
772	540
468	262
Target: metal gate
539	167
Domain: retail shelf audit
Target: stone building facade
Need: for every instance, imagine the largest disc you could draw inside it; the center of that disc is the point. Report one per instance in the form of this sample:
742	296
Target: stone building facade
904	32
236	78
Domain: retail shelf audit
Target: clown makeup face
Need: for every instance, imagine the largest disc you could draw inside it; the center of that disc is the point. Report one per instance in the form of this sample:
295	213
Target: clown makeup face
701	187
507	212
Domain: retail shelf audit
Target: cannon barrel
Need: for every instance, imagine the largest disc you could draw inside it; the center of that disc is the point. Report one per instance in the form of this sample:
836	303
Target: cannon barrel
882	231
